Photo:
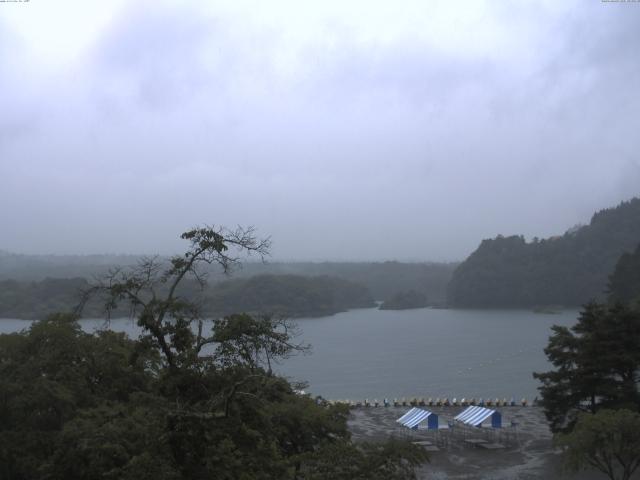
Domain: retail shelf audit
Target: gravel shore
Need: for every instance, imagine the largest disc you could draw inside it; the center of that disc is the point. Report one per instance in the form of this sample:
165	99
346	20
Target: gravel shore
528	451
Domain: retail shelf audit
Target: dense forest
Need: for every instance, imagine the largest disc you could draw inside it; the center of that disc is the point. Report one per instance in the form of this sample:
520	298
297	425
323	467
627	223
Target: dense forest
35	300
286	295
624	282
567	270
31	286
383	279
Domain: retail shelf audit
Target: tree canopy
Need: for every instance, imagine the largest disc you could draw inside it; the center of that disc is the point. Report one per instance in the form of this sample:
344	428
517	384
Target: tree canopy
608	441
288	295
187	400
596	365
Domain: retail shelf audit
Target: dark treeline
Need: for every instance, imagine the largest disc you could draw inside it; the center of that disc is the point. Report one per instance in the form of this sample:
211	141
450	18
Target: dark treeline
383	279
568	270
624	283
405	300
35	300
34	286
285	295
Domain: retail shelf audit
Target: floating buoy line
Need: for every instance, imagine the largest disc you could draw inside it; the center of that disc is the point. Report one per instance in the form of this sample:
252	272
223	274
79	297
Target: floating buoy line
431	402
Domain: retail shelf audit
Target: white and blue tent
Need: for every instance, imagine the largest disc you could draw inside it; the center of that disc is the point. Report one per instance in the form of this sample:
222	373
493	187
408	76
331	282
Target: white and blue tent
416	416
475	415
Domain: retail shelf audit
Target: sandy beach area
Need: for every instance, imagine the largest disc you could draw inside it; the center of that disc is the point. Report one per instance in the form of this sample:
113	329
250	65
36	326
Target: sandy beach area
528	451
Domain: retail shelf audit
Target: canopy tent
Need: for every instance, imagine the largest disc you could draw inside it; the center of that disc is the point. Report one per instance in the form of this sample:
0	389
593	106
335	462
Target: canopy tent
416	416
475	415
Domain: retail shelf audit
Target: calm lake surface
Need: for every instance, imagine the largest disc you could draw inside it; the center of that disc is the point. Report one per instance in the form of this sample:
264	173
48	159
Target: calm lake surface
370	353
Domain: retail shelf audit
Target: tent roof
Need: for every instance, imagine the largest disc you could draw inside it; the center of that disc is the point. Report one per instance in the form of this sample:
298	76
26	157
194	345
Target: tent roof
474	415
413	417
407	415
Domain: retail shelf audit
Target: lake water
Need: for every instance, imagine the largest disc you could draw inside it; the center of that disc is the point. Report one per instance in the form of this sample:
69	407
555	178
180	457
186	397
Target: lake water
370	353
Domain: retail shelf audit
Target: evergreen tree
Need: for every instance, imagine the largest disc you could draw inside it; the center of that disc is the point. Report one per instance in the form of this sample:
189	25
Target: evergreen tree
597	363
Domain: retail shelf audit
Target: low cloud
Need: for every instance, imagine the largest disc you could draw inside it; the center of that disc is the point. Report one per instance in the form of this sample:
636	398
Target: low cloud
342	145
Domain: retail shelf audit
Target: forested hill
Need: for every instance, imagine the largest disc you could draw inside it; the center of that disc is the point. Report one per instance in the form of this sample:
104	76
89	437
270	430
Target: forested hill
567	270
624	283
383	279
286	295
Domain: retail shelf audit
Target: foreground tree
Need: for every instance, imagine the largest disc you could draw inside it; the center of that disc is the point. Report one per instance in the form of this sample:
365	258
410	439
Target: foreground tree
608	441
597	363
85	406
56	380
254	342
180	402
152	289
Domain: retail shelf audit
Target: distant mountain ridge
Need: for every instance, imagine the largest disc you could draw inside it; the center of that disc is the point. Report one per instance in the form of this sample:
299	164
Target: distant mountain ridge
566	270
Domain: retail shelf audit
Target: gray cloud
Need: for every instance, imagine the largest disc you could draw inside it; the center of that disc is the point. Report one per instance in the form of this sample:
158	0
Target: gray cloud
339	148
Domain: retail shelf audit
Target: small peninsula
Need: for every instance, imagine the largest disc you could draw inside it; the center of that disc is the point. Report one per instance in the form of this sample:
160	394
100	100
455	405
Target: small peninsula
405	301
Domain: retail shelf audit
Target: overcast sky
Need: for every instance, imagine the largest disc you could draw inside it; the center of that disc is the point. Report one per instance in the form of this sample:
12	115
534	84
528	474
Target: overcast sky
344	130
